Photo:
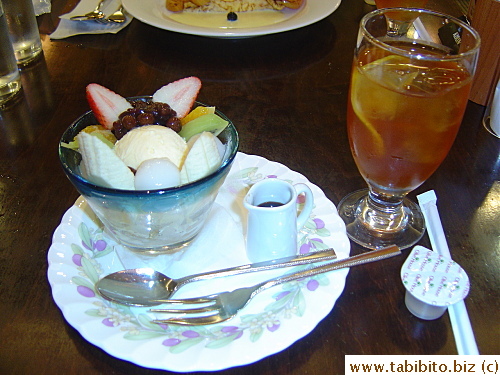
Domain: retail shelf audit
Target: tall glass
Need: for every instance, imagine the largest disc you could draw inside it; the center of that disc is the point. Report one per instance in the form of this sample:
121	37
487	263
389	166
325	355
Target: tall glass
10	79
23	29
407	98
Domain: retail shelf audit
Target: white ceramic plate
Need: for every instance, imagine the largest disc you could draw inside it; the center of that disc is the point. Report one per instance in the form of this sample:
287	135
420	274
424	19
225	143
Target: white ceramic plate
154	13
82	252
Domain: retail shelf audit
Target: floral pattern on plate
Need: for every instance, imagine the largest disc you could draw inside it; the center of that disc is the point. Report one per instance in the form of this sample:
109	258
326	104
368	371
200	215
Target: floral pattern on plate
82	253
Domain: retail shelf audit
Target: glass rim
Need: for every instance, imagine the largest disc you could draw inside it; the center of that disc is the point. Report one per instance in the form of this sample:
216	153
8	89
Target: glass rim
472	51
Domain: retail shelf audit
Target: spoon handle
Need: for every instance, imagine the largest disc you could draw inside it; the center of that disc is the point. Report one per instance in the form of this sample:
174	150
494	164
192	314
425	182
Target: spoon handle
317	256
363	258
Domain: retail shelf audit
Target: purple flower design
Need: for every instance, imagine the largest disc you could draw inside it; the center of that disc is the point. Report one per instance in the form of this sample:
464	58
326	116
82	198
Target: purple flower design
98	245
77	259
312	285
305	248
171	342
273	328
190	334
84	291
229	329
320	224
108	322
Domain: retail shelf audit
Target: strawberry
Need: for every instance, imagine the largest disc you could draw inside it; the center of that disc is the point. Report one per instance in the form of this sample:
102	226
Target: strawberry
179	95
105	104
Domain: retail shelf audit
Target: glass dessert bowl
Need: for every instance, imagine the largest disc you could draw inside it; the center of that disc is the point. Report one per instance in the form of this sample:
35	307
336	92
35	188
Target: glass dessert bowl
161	221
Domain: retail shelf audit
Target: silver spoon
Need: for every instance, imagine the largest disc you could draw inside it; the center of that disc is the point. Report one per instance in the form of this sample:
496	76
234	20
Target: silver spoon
140	286
95	14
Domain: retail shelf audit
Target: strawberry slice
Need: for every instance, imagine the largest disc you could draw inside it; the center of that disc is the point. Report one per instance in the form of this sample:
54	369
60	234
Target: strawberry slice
105	104
179	95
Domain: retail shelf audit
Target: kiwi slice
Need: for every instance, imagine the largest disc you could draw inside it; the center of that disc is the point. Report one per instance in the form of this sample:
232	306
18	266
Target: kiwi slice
206	123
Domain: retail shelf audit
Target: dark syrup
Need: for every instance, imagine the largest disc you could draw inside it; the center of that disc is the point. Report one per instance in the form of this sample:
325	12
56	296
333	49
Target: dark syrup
270	204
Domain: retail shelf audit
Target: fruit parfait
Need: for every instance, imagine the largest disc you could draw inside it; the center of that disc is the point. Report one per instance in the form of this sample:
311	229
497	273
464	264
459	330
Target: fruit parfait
150	167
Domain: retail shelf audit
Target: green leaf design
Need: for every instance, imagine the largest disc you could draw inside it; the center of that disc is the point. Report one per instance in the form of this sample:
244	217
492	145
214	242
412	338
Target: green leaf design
84	233
291	285
299	303
76	249
310	224
256	334
93	312
221	342
126	310
77	280
89	270
185	344
322	280
143	335
146	322
319	245
245	173
279	304
323	232
106	251
245	319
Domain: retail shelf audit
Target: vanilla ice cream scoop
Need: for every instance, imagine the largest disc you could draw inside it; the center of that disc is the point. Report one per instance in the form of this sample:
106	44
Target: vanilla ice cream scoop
149	142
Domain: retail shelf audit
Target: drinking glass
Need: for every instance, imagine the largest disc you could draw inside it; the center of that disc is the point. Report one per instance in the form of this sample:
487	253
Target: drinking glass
10	79
23	29
407	97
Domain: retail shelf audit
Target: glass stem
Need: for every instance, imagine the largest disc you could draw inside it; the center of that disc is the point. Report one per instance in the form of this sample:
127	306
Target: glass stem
384	213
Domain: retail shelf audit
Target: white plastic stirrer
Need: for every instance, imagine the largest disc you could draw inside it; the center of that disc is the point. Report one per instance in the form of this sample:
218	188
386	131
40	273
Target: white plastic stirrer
460	322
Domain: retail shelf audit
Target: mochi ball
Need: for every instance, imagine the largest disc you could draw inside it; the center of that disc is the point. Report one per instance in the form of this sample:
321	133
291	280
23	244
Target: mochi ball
157	173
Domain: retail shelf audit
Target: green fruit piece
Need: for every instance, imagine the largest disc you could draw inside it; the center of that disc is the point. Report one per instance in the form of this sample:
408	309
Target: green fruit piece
100	131
206	123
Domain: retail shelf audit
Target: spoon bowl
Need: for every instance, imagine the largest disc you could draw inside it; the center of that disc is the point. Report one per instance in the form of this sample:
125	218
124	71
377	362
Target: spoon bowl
147	287
93	15
117	16
136	287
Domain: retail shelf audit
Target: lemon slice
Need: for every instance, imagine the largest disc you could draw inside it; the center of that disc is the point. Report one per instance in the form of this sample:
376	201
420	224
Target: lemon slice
356	106
197	112
394	73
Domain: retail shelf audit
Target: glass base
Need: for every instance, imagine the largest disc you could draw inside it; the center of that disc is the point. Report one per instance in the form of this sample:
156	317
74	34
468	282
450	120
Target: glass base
163	250
352	209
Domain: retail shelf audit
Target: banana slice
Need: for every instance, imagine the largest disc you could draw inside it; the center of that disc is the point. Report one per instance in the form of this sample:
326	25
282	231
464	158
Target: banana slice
203	157
101	166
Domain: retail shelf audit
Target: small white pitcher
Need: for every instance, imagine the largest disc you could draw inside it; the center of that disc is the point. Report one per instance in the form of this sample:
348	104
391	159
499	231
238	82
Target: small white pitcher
273	222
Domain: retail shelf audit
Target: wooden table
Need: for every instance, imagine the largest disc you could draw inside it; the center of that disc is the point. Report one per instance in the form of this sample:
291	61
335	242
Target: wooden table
287	94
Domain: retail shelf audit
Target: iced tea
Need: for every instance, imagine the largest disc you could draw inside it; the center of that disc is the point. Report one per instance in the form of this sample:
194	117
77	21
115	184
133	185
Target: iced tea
403	116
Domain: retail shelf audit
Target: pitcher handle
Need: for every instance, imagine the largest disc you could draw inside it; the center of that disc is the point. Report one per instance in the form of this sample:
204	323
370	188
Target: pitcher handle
308	205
